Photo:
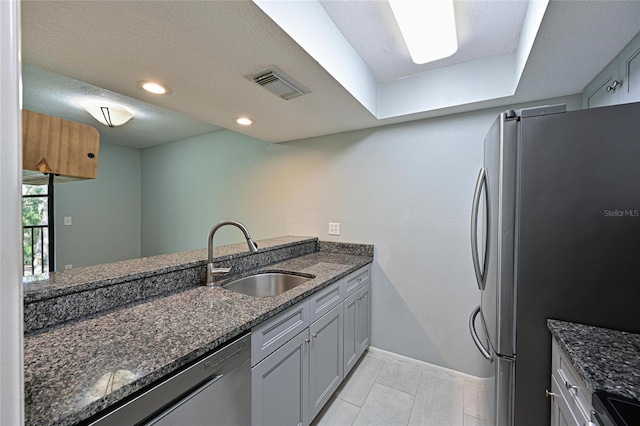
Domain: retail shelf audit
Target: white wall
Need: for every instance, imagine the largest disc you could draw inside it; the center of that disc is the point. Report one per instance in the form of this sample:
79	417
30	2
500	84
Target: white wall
105	212
11	390
406	188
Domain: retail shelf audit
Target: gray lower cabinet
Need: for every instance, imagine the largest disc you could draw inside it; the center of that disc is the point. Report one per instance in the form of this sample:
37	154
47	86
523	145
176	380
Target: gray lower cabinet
357	326
299	356
280	385
325	358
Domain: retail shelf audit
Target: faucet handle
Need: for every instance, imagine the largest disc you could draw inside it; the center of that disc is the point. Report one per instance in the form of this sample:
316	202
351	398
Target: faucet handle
217	272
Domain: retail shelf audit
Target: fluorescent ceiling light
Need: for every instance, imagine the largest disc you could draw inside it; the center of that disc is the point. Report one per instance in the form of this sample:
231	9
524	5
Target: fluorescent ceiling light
428	28
111	116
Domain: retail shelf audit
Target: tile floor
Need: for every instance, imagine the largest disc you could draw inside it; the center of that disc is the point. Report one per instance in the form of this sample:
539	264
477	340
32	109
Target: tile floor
385	390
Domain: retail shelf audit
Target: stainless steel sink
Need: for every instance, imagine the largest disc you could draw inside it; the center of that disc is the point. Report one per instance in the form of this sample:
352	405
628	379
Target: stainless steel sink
267	284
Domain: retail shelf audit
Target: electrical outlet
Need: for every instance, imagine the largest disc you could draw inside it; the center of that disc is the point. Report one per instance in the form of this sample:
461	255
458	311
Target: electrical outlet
334	228
67	221
68	267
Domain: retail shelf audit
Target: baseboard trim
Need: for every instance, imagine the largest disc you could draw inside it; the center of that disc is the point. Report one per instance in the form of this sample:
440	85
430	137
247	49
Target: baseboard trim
459	374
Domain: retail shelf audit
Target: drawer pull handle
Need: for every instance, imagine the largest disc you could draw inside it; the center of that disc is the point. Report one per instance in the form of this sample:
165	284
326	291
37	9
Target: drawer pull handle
549	394
314	335
307	340
569	386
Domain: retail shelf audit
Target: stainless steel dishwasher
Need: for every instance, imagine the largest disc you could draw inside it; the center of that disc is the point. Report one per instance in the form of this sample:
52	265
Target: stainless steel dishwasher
214	391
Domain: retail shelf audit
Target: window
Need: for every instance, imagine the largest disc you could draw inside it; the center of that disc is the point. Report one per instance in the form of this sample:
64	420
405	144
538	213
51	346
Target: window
36	234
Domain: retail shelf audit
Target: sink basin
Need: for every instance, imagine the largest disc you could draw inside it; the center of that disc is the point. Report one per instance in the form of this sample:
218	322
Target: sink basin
616	410
266	284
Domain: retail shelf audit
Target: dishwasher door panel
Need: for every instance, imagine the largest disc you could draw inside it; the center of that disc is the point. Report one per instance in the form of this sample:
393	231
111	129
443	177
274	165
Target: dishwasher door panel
224	400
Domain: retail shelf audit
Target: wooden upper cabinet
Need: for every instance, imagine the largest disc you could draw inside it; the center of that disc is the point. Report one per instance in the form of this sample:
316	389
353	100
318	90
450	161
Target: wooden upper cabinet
56	146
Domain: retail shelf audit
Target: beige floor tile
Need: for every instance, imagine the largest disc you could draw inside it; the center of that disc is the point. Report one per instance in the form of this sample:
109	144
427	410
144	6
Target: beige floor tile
443	375
438	402
473	421
472	402
337	412
401	376
358	384
385	406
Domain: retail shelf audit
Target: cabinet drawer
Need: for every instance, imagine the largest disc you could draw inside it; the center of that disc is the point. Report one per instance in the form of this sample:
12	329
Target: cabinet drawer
570	385
355	280
323	301
274	332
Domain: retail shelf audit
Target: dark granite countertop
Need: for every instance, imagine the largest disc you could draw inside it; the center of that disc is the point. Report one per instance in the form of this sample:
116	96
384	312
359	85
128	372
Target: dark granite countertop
607	360
52	284
76	370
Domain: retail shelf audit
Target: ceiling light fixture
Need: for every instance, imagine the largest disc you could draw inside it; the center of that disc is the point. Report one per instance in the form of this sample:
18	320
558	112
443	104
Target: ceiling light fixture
428	28
244	121
111	116
155	88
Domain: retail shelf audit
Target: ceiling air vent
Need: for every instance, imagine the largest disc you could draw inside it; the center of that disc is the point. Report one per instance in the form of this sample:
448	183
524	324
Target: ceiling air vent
276	81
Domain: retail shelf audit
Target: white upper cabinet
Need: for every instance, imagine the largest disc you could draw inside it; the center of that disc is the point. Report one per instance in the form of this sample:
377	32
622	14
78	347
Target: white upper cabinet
601	92
630	72
619	82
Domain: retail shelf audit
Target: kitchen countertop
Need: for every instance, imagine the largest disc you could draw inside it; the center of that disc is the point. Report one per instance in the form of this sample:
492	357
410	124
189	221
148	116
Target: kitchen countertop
52	284
607	360
76	370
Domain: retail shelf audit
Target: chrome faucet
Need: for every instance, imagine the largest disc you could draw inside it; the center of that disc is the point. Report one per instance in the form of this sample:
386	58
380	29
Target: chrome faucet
213	272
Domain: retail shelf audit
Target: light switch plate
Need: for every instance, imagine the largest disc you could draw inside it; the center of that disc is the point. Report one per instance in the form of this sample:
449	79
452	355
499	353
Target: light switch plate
334	228
67	221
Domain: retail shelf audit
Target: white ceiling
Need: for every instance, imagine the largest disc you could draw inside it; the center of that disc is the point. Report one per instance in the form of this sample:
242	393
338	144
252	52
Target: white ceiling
205	49
485	28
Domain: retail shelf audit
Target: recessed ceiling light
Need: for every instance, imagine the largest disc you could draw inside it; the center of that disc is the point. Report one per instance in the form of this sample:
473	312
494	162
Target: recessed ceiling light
244	121
428	28
154	87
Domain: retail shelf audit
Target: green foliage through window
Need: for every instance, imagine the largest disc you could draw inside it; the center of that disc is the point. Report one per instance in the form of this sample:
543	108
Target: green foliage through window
35	236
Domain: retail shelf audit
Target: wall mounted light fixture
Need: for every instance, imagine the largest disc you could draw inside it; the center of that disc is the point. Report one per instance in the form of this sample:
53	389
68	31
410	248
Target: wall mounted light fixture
428	28
111	116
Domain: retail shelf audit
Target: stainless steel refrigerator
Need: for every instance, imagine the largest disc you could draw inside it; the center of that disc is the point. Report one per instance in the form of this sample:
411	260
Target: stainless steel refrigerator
555	233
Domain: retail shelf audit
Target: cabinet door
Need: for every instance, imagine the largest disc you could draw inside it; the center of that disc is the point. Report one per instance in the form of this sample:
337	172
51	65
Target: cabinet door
630	72
325	358
561	414
54	145
280	385
357	326
363	319
600	92
350	348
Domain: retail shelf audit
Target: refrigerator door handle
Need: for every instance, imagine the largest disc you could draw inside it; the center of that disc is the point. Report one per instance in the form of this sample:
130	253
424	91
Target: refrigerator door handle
480	272
474	335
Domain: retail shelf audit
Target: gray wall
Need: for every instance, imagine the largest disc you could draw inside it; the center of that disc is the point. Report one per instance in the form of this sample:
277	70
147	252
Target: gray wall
105	212
190	185
405	188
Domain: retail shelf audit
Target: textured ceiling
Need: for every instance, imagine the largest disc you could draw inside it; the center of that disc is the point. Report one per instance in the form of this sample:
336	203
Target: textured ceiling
205	49
61	96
